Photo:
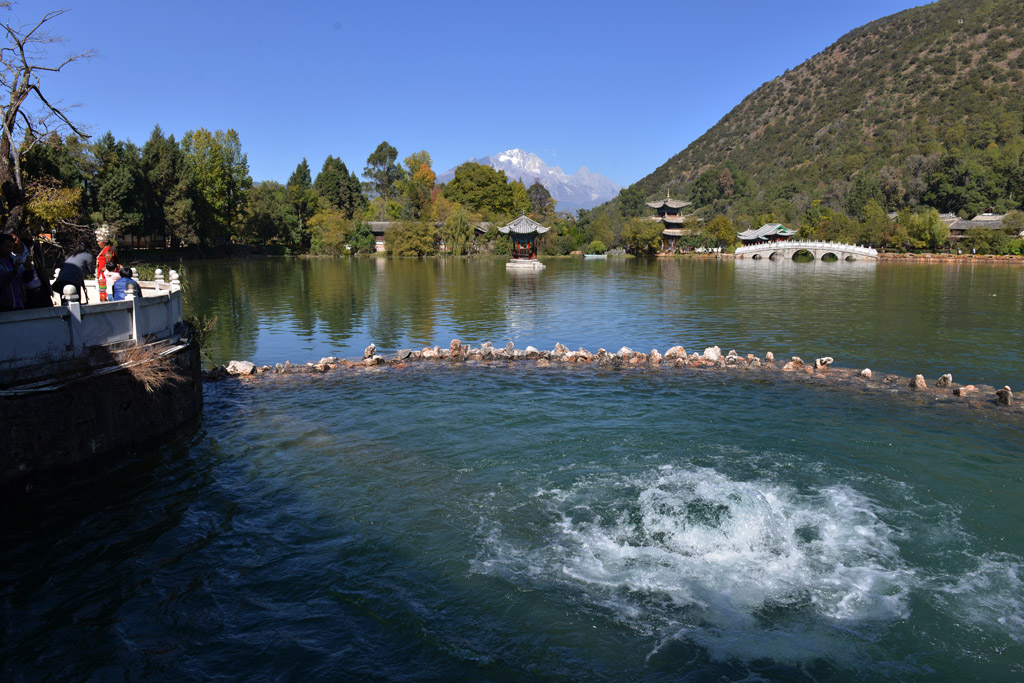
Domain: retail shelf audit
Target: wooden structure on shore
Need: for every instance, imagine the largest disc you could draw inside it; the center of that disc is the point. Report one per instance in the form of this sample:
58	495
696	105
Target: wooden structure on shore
524	233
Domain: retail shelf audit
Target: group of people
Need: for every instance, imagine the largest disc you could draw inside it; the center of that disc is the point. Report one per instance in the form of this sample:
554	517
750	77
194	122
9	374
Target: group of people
25	280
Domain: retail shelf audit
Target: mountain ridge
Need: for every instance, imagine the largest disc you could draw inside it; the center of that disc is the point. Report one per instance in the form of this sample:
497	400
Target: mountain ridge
887	102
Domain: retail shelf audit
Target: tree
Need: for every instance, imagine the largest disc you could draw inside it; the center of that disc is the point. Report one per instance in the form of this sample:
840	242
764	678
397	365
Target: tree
167	195
329	231
641	236
541	202
411	239
520	198
220	171
632	202
382	171
719	232
268	215
28	115
457	232
481	188
303	199
119	185
418	183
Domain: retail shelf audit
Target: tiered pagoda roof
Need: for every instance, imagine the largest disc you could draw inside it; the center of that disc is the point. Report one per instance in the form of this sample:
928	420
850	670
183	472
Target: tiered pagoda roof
523	226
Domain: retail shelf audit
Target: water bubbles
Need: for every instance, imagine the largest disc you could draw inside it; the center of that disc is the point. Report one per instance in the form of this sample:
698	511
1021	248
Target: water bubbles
744	569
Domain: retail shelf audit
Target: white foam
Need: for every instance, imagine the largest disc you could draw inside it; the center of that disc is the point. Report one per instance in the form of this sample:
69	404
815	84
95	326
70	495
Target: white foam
744	568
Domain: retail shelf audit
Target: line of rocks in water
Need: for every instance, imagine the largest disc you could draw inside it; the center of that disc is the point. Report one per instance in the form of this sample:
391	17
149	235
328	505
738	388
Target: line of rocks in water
711	358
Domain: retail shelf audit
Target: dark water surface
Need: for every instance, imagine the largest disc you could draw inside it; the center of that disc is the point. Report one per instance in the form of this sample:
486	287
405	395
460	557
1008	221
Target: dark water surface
510	523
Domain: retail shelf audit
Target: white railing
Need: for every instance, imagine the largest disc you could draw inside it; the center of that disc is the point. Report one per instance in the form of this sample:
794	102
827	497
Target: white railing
838	247
41	337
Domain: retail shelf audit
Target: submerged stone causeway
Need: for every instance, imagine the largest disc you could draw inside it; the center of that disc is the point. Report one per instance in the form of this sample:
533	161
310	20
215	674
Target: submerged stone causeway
820	370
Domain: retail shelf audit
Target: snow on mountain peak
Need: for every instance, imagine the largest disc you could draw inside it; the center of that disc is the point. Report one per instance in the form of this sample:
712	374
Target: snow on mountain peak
582	190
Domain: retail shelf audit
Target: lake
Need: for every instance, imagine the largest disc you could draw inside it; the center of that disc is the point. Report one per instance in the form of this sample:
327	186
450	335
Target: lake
496	522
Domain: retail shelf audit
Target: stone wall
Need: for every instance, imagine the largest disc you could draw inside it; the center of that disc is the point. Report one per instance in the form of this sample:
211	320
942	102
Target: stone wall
94	419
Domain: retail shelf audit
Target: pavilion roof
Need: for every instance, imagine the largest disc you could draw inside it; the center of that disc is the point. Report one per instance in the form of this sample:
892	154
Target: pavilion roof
668	203
767	230
523	226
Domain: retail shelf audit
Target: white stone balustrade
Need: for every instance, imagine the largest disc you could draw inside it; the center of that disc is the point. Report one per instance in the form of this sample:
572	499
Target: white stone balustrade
34	340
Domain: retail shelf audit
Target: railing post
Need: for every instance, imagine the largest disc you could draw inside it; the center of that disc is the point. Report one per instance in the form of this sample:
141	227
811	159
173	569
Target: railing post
70	293
158	278
129	295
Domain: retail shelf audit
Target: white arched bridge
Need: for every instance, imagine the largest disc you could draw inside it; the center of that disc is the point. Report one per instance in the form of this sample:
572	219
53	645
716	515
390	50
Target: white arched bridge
789	249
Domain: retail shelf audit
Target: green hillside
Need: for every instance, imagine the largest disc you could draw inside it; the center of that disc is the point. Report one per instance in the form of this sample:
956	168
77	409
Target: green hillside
925	107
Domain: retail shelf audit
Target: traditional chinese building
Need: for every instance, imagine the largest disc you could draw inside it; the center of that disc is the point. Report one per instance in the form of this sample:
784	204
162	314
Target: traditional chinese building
524	233
769	232
669	212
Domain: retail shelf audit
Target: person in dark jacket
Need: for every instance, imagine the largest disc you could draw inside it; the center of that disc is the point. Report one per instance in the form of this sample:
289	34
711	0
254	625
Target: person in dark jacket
73	270
12	289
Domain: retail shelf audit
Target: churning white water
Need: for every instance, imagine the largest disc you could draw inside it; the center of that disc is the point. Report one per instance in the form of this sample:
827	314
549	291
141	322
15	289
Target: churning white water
745	569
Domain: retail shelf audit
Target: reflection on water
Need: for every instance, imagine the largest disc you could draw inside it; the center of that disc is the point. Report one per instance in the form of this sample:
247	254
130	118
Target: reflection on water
963	318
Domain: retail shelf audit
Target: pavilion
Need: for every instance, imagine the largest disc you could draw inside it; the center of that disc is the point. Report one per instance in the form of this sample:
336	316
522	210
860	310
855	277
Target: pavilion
769	232
524	233
669	212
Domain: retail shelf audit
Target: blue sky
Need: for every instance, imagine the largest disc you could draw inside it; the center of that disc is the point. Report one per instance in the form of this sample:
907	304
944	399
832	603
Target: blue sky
618	87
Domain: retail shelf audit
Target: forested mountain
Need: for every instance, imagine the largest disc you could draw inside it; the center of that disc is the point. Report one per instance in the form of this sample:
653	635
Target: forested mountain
925	107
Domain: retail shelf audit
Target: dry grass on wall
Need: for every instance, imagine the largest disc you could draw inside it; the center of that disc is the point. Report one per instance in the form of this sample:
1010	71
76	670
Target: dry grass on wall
148	367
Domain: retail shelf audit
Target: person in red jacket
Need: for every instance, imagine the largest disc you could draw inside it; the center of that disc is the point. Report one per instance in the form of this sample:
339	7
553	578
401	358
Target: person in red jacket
107	255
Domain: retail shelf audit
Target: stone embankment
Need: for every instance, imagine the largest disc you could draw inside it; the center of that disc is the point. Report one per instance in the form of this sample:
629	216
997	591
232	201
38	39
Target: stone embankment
712	358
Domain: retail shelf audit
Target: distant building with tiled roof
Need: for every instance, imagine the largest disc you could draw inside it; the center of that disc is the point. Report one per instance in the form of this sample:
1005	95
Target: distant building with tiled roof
769	232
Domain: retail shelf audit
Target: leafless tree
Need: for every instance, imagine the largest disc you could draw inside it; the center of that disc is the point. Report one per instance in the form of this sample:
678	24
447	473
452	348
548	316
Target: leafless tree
28	117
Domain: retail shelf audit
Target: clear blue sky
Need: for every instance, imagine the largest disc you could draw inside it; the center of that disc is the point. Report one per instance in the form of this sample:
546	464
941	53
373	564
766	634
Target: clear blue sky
618	87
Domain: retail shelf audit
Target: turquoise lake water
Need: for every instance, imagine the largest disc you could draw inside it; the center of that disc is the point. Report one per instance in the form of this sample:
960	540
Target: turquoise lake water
475	522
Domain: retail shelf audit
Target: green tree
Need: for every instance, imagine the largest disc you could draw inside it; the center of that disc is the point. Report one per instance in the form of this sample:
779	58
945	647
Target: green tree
330	231
957	185
303	200
362	239
418	183
269	215
382	171
481	188
168	192
520	198
457	232
408	238
641	236
220	171
541	202
632	202
119	185
719	232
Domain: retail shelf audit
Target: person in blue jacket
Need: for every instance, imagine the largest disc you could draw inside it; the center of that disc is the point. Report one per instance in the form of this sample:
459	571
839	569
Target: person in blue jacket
121	285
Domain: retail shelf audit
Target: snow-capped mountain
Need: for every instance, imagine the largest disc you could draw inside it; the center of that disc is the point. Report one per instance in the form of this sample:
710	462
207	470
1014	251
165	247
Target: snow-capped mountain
581	190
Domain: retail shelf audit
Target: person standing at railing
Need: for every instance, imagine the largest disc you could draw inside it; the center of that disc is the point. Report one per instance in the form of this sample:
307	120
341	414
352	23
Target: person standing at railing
107	255
73	270
12	289
36	276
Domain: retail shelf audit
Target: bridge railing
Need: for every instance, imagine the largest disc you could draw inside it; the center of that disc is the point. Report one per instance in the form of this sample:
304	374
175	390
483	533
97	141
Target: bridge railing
849	249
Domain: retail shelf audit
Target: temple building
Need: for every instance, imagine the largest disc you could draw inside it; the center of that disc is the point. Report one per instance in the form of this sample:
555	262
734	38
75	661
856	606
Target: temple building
669	212
524	233
769	232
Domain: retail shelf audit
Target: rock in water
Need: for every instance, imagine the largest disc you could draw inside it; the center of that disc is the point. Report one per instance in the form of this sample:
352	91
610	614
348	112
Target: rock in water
370	351
1004	396
944	381
240	367
918	382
